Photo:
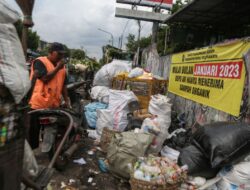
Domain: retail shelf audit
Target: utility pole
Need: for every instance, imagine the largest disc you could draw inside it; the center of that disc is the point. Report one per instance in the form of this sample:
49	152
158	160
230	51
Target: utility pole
138	40
155	27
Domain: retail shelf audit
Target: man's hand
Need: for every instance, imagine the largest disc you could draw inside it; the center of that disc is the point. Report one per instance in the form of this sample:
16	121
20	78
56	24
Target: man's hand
50	75
60	64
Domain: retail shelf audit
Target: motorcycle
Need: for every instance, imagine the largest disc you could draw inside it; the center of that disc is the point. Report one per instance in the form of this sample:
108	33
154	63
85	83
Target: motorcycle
61	129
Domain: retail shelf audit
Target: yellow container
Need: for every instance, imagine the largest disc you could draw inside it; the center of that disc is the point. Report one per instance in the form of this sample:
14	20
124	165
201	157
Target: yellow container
143	87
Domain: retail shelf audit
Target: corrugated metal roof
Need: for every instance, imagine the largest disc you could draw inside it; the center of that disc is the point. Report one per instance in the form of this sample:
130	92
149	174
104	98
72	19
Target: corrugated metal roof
213	12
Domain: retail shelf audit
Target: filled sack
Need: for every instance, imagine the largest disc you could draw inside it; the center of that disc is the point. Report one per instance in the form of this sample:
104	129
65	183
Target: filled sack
159	105
13	71
90	112
104	119
235	177
223	143
118	104
105	75
100	93
123	151
198	164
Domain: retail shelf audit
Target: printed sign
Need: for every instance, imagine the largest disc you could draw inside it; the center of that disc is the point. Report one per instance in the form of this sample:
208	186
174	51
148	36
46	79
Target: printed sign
213	76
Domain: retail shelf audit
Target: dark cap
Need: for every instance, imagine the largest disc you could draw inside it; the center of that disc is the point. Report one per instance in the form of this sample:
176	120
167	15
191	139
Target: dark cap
57	47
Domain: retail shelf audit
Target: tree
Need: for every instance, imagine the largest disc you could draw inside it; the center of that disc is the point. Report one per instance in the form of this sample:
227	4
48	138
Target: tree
33	40
33	37
77	54
132	44
176	6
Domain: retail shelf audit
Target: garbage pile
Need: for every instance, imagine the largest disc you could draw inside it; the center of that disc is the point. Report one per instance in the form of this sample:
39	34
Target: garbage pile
152	146
159	170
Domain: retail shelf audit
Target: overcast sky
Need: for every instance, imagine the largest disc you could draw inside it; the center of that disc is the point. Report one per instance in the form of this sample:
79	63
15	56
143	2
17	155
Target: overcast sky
76	22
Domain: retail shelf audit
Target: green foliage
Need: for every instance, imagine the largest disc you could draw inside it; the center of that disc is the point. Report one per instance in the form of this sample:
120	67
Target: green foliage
132	44
178	5
145	42
33	37
77	54
33	40
101	61
161	40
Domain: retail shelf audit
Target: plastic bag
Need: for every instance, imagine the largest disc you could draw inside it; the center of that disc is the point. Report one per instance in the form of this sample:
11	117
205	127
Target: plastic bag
104	119
124	149
158	127
159	105
136	72
223	143
90	112
170	153
118	103
100	93
13	71
179	138
105	75
198	164
29	161
236	177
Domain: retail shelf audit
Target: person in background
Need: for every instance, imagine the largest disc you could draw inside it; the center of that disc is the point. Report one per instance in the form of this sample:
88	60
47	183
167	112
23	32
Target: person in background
48	81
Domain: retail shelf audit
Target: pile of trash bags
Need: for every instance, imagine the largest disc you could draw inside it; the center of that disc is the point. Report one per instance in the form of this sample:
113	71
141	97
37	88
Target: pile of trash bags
213	156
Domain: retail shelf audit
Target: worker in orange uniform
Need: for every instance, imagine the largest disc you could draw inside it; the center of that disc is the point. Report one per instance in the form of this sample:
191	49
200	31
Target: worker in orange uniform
48	78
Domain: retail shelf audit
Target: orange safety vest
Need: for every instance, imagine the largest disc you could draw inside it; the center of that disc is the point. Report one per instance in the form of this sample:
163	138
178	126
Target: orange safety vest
47	95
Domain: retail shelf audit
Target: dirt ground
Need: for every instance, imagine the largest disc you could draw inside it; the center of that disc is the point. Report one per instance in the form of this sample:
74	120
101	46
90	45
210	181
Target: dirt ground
78	177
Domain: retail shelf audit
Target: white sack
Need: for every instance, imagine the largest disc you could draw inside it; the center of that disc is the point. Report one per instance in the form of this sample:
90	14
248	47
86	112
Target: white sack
105	75
157	123
237	178
159	105
13	71
104	119
118	104
119	99
100	93
136	72
7	14
81	67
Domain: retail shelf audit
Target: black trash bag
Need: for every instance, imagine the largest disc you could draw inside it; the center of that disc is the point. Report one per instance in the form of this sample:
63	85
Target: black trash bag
198	164
223	143
177	122
180	140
